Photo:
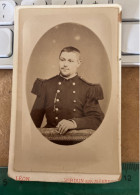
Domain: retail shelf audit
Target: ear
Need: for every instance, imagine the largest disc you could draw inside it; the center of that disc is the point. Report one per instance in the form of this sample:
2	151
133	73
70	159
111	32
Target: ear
79	62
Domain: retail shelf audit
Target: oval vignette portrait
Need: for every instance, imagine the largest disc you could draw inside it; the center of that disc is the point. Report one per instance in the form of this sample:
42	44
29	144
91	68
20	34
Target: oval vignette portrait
68	84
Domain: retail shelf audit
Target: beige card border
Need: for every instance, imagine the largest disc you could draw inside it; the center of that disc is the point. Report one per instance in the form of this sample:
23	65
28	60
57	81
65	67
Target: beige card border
65	177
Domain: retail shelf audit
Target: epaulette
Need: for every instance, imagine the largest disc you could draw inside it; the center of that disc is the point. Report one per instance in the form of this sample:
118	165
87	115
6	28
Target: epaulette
86	81
37	86
95	91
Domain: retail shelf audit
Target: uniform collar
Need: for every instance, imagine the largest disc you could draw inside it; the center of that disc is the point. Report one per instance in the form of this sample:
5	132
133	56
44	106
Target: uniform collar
69	79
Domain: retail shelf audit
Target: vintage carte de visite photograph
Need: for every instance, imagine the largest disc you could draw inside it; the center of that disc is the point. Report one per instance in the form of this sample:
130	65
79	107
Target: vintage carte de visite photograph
66	93
68	86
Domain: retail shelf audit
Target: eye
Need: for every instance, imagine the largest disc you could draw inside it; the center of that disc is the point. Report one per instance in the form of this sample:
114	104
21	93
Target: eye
70	60
62	59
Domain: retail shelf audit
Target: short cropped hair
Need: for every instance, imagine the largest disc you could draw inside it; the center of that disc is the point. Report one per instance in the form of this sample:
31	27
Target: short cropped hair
69	49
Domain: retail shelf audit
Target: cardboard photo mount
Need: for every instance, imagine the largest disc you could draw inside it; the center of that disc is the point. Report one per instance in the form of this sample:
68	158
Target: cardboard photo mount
34	158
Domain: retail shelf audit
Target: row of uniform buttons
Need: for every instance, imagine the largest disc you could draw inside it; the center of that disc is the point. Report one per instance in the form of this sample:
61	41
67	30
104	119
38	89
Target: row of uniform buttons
58	100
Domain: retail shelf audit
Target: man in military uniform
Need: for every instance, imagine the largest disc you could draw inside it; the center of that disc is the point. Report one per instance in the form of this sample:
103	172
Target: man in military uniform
67	101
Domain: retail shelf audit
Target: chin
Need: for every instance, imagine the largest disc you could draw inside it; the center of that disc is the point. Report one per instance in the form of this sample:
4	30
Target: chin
64	75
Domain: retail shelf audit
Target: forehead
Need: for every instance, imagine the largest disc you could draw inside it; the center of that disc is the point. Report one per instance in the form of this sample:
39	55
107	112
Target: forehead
70	55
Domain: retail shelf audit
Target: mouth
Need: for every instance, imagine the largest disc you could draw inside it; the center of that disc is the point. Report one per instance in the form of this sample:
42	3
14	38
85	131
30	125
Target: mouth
64	69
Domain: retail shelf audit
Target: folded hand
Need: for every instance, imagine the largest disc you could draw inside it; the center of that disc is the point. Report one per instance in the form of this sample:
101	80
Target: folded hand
64	125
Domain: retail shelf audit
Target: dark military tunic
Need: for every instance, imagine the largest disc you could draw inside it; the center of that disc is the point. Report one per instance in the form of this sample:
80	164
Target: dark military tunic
72	99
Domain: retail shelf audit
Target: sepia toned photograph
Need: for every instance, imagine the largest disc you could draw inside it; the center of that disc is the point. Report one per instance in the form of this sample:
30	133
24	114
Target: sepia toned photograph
65	118
67	107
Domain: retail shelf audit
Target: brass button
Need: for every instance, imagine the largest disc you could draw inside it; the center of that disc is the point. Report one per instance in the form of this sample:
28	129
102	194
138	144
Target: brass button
56	118
73	83
56	109
74	110
74	101
74	91
57	100
59	83
58	91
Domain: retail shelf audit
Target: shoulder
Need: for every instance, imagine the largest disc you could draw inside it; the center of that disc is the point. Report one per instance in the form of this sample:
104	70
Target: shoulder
40	84
94	90
84	81
53	78
37	86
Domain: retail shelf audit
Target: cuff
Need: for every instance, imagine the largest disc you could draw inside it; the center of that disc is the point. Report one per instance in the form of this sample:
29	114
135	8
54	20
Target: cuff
74	123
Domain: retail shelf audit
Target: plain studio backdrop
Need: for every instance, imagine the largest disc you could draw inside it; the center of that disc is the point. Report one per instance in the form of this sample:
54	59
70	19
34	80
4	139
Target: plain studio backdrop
44	61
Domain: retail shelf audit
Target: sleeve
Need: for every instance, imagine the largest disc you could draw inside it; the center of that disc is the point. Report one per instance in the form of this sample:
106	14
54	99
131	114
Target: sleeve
38	109
93	114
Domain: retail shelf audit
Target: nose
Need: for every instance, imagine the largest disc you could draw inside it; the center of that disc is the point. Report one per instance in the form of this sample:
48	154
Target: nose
65	64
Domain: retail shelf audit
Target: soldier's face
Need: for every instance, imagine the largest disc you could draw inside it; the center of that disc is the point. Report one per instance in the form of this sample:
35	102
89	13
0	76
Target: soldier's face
68	63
